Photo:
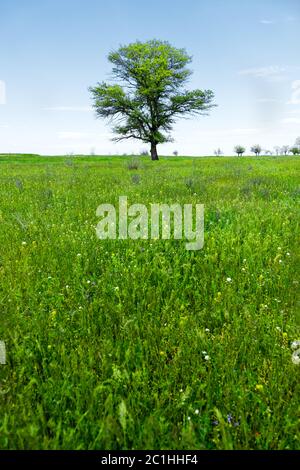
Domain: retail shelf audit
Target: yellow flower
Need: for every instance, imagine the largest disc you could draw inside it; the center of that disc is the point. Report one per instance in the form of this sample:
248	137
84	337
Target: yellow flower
259	387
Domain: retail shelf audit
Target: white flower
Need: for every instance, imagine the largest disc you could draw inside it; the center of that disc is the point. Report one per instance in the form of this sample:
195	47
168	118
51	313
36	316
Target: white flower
278	328
228	279
288	254
189	418
24	243
295	344
280	261
204	352
116	288
207	358
88	282
243	269
296	357
197	412
78	254
207	330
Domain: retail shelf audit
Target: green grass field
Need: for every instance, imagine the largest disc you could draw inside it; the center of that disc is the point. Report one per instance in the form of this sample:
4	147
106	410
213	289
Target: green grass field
142	344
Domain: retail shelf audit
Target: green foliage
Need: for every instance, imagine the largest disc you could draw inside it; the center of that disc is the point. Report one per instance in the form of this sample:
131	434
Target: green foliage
151	94
295	150
141	344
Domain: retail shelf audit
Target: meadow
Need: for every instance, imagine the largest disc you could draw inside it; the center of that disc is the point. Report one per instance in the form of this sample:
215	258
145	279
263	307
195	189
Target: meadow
141	344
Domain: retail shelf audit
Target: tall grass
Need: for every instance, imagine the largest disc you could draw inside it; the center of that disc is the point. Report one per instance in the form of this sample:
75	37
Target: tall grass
141	344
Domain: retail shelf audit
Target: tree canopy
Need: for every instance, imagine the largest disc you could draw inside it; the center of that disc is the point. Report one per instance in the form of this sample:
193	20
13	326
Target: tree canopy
150	93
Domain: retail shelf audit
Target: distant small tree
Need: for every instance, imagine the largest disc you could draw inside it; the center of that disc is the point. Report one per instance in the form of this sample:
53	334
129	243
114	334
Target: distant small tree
285	149
175	153
268	152
277	150
218	152
256	149
295	150
239	150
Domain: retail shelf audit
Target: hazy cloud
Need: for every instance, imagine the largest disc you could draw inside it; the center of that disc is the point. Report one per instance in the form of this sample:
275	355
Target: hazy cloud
83	109
2	92
271	72
268	100
295	98
72	135
291	120
267	21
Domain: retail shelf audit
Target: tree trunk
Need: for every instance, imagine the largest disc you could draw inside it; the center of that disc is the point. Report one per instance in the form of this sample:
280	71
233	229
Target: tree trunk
154	155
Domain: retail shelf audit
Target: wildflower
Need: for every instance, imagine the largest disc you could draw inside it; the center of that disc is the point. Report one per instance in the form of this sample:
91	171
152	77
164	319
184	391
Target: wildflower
88	282
197	412
215	423
296	357
259	387
278	328
207	358
116	288
243	269
78	254
280	261
204	352
24	243
207	330
295	344
189	418
228	279
229	418
288	254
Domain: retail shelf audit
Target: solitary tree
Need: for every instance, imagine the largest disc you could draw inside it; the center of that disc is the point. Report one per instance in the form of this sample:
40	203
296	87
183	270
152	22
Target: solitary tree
239	150
256	149
151	92
285	149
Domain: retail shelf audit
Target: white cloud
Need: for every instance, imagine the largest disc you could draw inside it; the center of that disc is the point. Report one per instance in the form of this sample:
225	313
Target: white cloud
291	120
273	72
2	92
295	98
83	109
267	21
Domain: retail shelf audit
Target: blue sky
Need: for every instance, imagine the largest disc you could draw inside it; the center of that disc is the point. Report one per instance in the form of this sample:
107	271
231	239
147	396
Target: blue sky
51	51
